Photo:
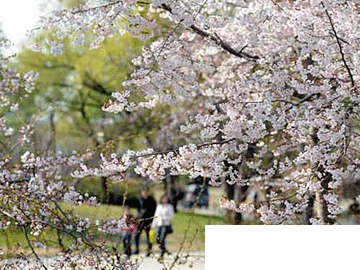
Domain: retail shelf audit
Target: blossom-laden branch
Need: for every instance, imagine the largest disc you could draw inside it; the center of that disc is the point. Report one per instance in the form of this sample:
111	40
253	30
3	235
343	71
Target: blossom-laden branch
160	162
198	146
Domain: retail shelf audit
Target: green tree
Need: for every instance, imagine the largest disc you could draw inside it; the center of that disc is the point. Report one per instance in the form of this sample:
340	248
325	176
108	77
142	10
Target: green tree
71	90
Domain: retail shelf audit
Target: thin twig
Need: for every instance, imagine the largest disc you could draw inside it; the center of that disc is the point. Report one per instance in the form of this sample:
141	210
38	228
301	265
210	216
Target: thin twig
165	42
32	248
177	256
200	9
71	233
340	46
62	212
277	5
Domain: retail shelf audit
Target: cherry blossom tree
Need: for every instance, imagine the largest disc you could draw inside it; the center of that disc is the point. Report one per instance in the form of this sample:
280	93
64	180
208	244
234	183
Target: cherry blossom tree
268	90
32	189
280	76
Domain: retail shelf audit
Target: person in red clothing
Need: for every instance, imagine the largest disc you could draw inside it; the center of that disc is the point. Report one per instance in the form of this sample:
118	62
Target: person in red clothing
131	225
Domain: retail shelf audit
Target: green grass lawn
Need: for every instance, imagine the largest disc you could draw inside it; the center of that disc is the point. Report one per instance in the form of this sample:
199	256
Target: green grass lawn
189	232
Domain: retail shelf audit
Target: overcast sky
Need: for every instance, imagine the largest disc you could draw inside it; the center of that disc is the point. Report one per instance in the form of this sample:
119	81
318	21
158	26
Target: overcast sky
18	16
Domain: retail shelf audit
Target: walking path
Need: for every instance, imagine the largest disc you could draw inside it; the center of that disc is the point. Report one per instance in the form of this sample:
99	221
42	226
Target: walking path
185	261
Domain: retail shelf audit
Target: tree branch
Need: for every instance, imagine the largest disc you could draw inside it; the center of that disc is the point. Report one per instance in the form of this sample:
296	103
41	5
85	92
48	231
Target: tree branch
217	39
340	46
32	248
94	85
306	98
177	149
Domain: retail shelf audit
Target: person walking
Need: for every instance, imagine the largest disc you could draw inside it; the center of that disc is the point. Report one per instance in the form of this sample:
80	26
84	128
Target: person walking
163	215
130	229
146	211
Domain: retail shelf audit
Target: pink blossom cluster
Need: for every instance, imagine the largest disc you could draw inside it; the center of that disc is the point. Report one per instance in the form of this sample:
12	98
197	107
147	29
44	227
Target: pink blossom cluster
231	205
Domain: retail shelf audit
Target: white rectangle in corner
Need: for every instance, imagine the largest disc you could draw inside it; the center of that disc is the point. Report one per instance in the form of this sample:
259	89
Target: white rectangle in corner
281	247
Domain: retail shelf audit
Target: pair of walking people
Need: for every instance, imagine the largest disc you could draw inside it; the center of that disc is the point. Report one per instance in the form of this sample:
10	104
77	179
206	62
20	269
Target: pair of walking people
151	215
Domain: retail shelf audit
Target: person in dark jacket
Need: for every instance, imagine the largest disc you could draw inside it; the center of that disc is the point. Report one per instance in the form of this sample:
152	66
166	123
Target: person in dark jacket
146	211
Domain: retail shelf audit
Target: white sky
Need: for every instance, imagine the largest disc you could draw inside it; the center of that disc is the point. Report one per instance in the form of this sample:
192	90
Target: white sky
18	16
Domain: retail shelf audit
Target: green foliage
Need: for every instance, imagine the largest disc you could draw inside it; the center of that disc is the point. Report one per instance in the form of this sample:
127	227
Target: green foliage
117	191
71	3
102	212
74	85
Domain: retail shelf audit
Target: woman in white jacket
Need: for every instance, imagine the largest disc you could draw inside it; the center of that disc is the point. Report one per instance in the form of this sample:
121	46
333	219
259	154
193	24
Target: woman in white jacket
163	215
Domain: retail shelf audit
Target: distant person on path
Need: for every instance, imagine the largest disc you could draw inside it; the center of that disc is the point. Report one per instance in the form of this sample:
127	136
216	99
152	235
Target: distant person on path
129	231
146	211
163	215
177	195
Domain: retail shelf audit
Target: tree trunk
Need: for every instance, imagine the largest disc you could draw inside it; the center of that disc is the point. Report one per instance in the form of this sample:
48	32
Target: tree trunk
51	145
325	206
325	178
236	193
309	213
169	186
105	188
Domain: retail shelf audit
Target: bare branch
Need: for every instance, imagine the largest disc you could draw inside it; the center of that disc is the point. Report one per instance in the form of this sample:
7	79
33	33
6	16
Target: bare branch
340	46
32	248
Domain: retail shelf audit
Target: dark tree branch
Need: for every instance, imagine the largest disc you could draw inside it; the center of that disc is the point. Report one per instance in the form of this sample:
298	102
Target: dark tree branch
71	233
96	86
340	46
341	39
306	98
224	45
70	67
217	40
32	248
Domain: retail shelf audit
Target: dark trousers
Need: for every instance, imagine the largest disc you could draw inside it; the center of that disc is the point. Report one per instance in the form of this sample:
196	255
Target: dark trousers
143	225
161	235
127	244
